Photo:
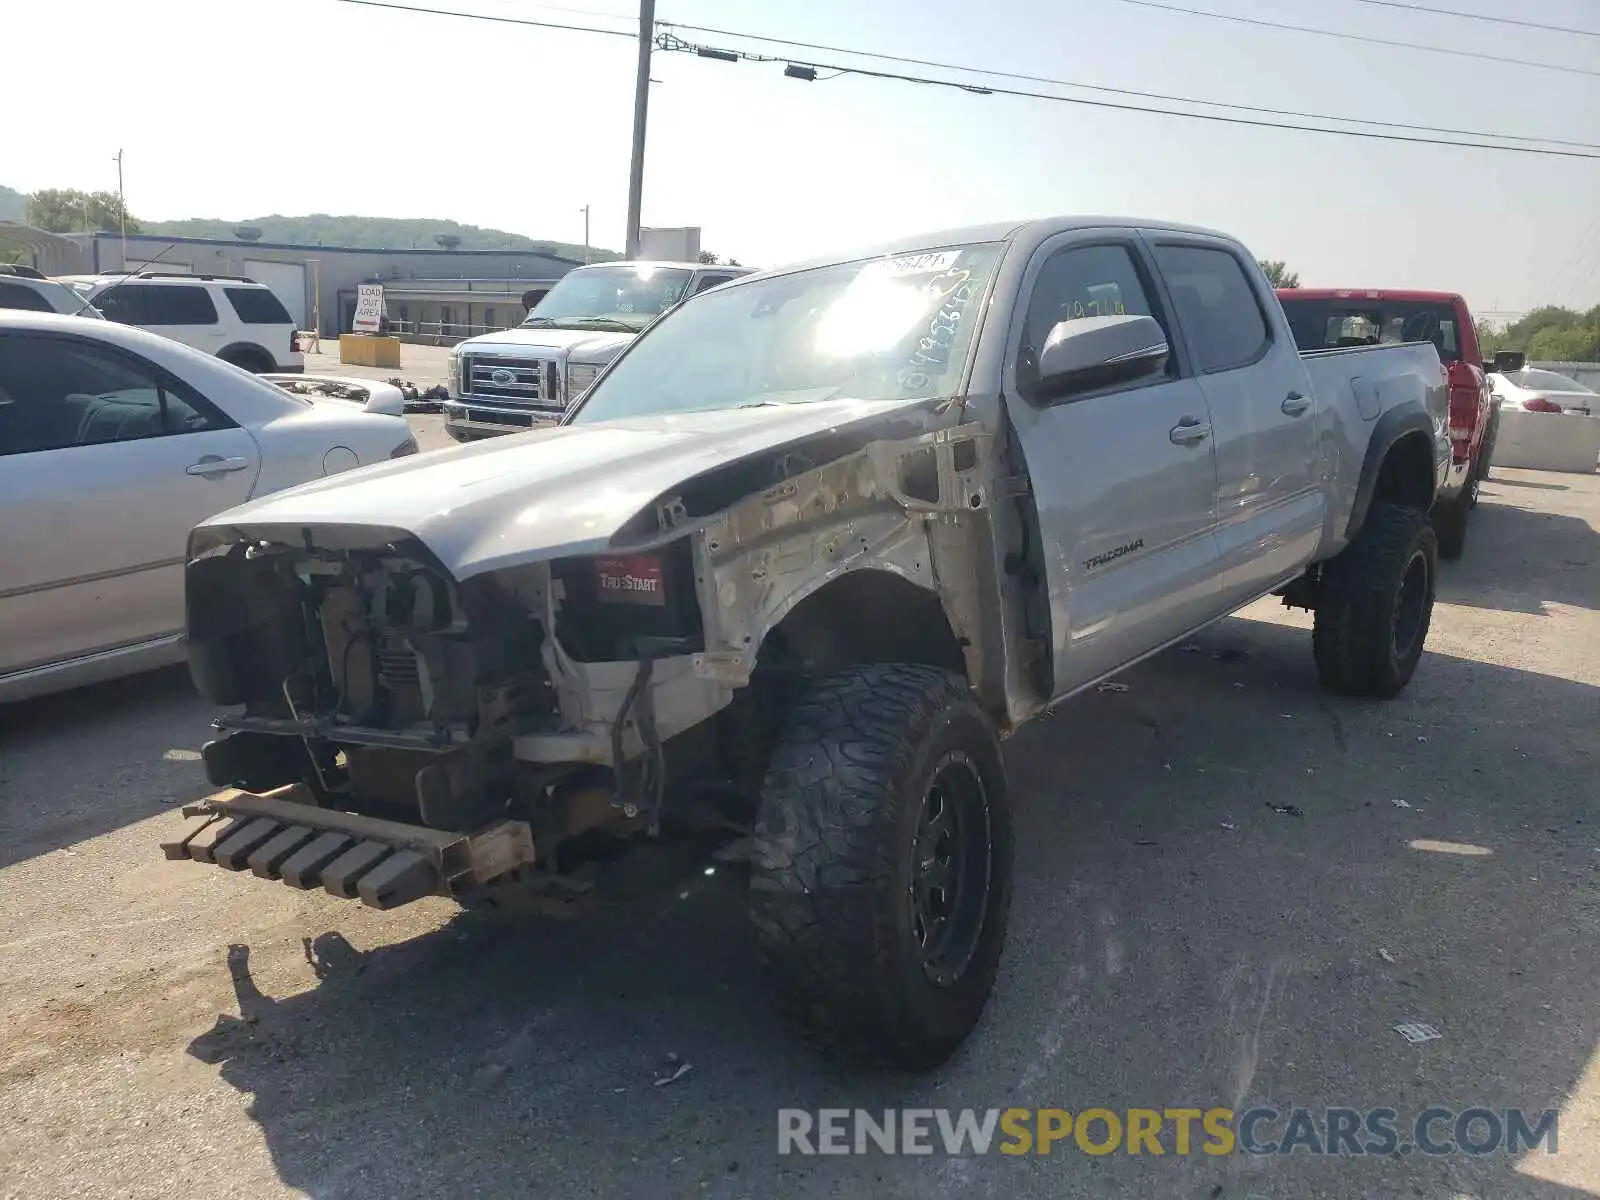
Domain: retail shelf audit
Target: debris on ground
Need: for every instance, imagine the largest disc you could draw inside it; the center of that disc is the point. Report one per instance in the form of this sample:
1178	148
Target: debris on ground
1386	956
1231	654
1286	810
1191	647
1145	842
683	1069
1229	826
1422	737
1238	685
1108	686
1416	1031
1399	803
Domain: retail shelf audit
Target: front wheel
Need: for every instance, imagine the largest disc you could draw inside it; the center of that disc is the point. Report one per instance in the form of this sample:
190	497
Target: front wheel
1374	604
881	864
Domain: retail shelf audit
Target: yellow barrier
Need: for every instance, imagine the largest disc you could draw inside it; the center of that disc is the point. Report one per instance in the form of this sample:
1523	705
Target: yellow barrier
369	350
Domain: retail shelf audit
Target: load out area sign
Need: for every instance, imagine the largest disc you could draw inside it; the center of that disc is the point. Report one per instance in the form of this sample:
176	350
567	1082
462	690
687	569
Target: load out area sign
369	308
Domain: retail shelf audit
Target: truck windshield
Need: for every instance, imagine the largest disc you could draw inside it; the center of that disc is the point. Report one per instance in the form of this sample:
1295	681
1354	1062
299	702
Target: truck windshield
872	329
1321	324
622	297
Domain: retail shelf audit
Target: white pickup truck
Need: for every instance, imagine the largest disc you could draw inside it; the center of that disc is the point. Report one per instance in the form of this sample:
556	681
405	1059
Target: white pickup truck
815	544
517	379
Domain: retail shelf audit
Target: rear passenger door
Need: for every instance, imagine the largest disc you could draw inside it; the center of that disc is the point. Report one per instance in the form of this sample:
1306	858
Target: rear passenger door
1124	478
183	312
1270	502
106	462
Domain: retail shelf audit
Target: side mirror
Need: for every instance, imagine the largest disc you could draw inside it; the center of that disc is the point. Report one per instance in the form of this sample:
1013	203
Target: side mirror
1090	353
1509	360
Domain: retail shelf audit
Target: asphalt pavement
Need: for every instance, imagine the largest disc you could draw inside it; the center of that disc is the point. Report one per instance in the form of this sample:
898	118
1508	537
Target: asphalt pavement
1231	888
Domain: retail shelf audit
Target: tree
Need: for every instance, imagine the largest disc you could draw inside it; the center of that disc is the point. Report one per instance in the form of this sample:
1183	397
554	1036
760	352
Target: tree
1551	334
247	233
448	241
67	210
711	260
1278	273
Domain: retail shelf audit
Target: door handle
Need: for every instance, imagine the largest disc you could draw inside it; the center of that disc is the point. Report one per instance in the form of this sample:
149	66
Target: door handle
212	464
1189	431
1294	404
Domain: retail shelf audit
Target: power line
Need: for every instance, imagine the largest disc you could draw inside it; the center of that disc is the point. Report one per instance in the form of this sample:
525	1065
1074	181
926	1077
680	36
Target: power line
1092	87
1471	16
1358	37
670	43
448	12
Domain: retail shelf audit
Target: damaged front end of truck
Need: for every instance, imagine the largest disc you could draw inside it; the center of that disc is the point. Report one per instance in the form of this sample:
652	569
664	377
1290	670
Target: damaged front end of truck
492	691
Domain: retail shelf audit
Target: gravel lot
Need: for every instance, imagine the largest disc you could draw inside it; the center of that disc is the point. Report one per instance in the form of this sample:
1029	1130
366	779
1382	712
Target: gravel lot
177	1030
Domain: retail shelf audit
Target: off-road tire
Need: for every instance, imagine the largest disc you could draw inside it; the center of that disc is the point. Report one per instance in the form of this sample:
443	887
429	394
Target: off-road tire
1450	521
832	870
1364	604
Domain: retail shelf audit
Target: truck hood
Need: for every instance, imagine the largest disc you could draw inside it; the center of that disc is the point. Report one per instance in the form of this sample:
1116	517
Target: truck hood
565	490
586	345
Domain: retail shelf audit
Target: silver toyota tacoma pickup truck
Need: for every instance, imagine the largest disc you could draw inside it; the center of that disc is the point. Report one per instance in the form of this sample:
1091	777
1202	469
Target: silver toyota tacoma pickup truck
811	548
516	379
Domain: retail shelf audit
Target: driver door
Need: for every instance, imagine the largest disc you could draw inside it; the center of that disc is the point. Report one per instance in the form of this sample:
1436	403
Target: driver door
1124	478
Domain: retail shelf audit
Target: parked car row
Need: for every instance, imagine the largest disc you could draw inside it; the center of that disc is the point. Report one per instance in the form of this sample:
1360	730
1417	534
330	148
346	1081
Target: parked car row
233	317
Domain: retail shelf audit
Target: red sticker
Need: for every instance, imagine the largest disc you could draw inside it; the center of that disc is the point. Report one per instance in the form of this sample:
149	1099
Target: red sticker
635	579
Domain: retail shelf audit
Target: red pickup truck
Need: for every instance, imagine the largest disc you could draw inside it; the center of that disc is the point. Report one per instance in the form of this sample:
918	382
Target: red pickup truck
1328	318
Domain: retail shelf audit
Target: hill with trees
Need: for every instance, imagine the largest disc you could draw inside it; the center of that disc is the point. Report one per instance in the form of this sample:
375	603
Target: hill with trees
1549	334
66	210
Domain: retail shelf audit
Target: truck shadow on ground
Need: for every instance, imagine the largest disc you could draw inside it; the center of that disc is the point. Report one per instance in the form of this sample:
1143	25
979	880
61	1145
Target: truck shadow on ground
1518	559
76	781
1218	902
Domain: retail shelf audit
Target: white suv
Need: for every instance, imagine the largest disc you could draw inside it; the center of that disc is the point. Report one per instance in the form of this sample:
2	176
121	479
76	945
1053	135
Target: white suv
26	289
235	318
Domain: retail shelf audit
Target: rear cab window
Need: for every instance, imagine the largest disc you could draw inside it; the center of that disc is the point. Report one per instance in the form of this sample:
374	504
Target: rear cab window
258	306
1334	323
1215	305
157	304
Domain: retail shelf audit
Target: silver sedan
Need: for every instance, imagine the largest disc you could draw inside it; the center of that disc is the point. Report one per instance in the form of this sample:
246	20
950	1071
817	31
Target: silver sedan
114	443
1535	390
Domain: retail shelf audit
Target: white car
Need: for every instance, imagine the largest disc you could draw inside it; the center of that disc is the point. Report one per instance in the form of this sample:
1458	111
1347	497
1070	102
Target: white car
114	443
234	317
1534	390
28	290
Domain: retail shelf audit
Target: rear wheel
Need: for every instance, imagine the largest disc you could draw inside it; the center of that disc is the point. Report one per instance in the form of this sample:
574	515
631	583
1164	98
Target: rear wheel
253	361
1375	603
881	863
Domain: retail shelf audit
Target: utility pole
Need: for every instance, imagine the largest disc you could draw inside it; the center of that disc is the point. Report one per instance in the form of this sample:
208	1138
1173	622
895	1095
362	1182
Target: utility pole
641	103
585	211
122	212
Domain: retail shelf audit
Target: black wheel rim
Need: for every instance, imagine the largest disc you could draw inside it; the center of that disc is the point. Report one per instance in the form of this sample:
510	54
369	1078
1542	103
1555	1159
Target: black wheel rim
1411	602
951	861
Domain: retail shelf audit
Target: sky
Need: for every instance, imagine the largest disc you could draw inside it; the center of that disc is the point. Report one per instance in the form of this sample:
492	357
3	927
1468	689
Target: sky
241	108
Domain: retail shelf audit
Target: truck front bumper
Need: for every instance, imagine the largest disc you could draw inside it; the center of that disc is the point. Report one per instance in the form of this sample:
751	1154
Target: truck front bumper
283	835
488	419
